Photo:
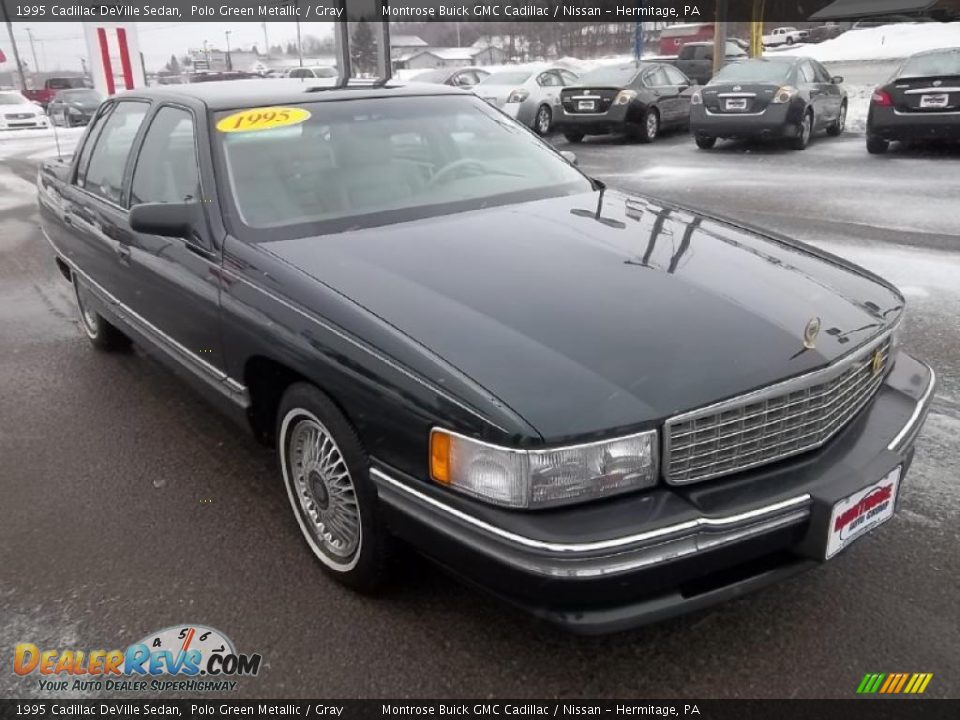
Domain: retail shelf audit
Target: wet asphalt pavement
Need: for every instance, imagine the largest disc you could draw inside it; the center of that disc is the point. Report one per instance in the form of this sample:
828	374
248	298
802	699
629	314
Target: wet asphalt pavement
127	505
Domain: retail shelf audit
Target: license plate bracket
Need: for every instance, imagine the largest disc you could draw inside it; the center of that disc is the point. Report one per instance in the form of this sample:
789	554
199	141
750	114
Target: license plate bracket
736	104
586	105
862	512
938	100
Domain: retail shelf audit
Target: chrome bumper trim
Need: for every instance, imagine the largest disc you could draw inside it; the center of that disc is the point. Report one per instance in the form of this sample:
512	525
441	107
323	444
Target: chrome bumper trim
919	412
795	509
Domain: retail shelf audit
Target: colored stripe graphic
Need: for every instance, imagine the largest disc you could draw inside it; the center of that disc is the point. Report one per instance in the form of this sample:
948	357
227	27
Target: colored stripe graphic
105	59
894	683
125	58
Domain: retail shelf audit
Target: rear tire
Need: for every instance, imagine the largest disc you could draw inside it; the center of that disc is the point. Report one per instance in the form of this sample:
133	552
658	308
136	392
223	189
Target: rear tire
801	141
543	122
837	126
325	471
102	334
705	142
877	145
650	127
573	137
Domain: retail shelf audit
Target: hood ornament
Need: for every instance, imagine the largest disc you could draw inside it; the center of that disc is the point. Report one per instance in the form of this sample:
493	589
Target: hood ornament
937	83
737	88
810	333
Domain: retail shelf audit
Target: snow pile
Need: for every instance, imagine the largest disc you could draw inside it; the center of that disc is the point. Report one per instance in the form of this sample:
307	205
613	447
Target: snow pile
887	42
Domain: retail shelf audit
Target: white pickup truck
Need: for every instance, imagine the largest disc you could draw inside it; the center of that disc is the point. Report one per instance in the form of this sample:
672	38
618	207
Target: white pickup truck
784	36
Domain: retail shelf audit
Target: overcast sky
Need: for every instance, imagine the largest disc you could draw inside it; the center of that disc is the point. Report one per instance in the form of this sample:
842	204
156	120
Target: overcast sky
60	45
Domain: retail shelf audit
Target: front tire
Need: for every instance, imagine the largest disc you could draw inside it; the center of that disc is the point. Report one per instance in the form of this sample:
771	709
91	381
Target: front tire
705	142
877	145
325	472
102	334
543	121
573	137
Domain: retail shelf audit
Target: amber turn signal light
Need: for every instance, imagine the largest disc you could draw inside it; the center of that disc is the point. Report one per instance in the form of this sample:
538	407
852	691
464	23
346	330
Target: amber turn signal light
440	457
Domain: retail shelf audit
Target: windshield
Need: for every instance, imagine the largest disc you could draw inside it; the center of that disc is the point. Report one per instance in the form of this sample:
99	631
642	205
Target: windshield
507	78
938	63
80	96
612	75
61	83
12	99
407	157
762	71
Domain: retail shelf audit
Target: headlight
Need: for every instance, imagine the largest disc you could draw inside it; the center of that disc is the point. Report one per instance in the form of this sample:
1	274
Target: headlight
540	478
624	96
516	96
696	98
784	94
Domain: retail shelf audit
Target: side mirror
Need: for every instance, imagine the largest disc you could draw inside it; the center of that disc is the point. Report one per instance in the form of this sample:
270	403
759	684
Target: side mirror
836	80
569	156
164	219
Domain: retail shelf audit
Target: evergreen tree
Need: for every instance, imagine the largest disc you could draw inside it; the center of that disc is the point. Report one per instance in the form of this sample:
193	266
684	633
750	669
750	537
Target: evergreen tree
363	48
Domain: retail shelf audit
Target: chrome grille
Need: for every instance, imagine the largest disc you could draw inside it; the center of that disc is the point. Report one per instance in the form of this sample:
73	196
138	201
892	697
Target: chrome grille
770	424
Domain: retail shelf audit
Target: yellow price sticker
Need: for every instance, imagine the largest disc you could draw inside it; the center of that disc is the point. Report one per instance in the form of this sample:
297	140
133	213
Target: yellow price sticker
265	118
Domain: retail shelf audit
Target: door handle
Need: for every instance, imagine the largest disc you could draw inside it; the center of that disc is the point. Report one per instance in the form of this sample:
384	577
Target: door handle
123	252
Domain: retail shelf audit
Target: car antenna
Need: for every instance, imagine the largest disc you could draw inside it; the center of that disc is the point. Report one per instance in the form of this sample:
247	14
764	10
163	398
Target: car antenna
56	139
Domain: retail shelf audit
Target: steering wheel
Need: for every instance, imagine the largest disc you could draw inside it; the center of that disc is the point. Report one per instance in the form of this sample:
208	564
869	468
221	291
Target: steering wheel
454	166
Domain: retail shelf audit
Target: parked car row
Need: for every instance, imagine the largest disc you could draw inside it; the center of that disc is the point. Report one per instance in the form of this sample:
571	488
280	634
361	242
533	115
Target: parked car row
17	112
68	108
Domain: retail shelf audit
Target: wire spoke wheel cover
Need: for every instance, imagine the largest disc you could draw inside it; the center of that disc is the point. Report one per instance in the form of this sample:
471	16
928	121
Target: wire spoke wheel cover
653	125
321	490
88	318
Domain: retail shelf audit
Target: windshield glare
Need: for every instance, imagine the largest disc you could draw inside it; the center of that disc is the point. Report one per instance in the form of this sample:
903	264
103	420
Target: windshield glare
358	158
507	78
941	63
763	71
622	75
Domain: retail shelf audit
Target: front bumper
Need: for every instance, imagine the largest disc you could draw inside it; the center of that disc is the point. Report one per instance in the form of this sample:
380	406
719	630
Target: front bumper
776	121
891	124
631	560
25	124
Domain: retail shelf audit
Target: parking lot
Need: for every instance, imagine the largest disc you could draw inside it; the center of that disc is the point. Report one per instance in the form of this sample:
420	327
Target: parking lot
128	505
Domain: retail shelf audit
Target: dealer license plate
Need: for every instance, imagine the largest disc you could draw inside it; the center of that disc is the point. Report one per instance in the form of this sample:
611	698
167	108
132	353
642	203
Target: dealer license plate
737	104
934	101
856	515
586	105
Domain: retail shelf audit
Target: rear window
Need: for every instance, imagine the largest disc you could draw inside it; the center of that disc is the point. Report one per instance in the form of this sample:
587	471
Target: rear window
612	75
937	63
64	83
761	71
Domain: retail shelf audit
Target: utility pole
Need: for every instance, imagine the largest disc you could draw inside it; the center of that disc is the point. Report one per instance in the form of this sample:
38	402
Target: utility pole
229	59
13	47
296	4
33	50
756	29
266	39
720	37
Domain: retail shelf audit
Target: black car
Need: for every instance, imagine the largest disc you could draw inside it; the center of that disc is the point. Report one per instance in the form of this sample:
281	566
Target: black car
605	408
73	107
823	33
920	102
784	97
638	100
457	77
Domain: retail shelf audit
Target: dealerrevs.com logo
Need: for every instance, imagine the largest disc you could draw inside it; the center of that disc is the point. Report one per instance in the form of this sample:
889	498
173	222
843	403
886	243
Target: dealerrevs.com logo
188	658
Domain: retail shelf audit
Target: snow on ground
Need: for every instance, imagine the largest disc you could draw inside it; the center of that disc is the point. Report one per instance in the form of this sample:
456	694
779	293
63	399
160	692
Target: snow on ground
41	142
886	42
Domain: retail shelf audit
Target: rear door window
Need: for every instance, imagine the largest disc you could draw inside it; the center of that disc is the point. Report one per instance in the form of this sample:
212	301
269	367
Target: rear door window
675	76
104	173
806	72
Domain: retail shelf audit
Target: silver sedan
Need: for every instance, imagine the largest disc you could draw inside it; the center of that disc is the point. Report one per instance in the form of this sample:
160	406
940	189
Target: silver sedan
531	94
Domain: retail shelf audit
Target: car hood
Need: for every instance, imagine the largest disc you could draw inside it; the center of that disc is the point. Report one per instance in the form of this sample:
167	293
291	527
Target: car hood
587	323
21	108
